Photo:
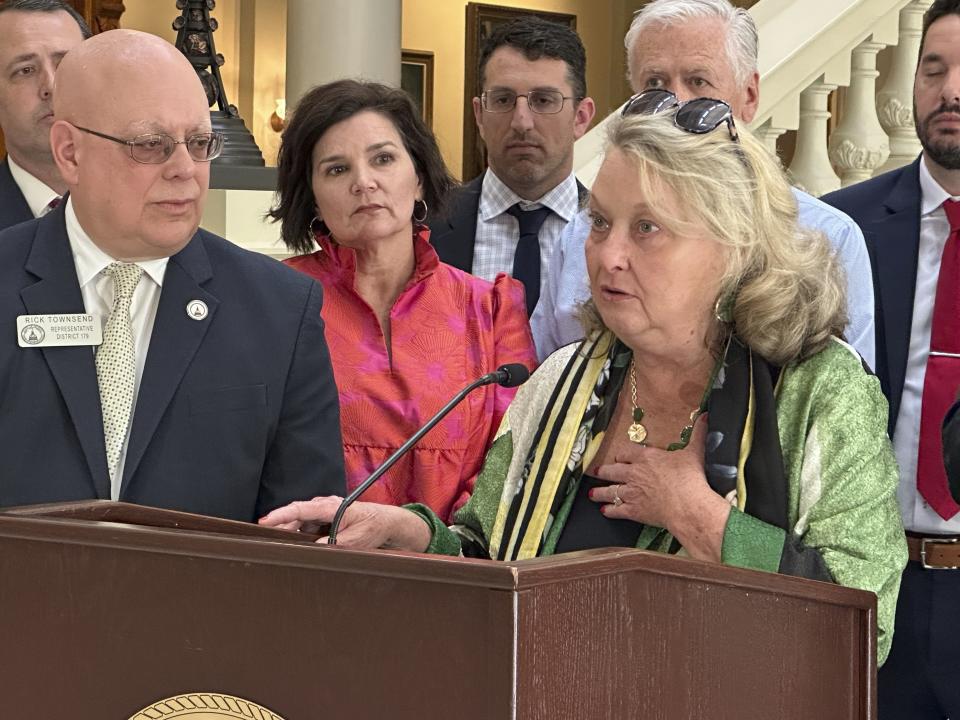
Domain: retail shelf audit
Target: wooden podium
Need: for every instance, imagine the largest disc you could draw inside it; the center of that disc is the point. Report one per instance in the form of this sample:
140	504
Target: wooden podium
107	608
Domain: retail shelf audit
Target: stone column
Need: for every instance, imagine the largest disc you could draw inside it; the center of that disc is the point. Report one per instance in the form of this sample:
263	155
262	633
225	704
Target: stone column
336	39
895	99
811	168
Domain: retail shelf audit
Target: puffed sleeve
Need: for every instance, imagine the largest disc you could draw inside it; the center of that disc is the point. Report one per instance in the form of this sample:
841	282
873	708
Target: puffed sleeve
514	341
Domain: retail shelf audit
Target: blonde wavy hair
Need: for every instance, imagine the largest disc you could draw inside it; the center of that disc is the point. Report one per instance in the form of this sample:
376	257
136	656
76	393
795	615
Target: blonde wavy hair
783	288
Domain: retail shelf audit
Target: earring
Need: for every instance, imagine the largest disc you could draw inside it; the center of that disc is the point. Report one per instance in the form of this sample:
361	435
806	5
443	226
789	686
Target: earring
424	215
723	308
317	227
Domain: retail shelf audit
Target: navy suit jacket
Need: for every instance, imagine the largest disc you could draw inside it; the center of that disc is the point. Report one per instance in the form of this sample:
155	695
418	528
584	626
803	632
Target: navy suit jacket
887	209
454	236
13	205
237	413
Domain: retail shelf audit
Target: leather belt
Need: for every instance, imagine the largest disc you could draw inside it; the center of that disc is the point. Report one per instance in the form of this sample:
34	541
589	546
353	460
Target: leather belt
935	553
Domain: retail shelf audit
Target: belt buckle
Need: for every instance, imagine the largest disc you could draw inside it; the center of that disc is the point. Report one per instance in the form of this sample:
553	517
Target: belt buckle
935	541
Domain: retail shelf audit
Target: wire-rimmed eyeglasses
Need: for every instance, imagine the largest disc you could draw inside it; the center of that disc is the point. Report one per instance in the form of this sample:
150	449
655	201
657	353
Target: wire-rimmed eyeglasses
698	115
156	148
543	102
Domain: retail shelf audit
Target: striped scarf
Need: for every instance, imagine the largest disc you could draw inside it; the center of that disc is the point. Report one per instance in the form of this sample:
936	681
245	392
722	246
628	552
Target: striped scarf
743	461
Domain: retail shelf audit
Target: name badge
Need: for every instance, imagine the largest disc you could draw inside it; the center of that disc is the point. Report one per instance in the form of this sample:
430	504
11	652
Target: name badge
58	330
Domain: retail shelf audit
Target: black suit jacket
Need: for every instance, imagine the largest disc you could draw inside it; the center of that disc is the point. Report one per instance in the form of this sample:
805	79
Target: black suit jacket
237	413
887	209
13	205
455	235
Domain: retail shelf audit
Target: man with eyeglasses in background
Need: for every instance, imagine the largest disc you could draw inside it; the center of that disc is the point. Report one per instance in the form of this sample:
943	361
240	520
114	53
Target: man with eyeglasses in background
36	34
699	48
532	108
211	390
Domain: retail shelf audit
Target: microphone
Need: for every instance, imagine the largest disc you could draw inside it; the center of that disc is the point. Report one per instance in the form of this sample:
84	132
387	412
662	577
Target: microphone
509	375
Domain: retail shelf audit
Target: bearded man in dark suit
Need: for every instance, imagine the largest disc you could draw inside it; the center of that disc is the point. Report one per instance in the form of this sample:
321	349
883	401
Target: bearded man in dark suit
910	219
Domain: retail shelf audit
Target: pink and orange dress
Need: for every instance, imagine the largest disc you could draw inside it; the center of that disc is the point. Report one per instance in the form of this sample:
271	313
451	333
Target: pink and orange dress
447	329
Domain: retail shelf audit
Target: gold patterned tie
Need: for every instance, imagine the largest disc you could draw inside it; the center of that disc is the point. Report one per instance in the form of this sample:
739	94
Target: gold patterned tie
117	362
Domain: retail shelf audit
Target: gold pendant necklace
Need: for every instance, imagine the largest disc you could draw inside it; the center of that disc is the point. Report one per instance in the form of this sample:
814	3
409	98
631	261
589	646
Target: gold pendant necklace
637	433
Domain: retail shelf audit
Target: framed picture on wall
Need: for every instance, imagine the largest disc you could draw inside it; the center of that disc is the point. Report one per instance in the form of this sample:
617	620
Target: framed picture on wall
416	78
101	15
481	21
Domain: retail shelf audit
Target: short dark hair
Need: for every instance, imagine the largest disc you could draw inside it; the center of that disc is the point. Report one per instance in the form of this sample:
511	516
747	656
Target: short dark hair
939	9
537	38
47	6
323	107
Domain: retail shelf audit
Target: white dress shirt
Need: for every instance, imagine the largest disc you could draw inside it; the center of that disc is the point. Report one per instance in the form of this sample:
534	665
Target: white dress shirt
499	233
97	290
934	230
36	192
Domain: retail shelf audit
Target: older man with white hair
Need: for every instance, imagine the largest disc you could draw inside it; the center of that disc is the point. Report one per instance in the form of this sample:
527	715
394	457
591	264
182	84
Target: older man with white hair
699	48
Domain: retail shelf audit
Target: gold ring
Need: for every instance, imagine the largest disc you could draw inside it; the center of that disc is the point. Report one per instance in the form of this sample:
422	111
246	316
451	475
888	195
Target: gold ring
617	502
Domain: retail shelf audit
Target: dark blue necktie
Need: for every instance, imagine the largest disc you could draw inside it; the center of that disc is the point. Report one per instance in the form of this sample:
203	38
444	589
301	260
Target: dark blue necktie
526	260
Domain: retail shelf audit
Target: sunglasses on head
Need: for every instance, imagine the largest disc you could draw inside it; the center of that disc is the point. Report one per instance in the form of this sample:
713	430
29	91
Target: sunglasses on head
698	116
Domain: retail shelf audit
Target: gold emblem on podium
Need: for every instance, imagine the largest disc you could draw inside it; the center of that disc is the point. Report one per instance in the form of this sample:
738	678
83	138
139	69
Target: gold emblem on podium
205	706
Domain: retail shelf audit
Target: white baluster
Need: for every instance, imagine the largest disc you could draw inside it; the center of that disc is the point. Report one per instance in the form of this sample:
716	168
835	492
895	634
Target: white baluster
769	135
860	145
895	100
811	165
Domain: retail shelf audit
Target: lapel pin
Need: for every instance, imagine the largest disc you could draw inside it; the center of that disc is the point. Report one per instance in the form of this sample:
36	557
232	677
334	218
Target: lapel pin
197	309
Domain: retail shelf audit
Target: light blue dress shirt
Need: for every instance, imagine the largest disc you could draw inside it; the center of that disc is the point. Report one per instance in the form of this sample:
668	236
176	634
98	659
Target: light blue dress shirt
555	323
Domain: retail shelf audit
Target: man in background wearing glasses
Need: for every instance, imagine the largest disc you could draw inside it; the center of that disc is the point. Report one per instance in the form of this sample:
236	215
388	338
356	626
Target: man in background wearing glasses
211	390
35	34
694	49
532	108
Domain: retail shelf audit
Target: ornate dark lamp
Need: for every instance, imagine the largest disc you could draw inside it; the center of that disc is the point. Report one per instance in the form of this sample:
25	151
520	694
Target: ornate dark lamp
195	30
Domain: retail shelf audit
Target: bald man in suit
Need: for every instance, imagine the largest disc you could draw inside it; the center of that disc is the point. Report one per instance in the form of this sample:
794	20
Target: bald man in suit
211	391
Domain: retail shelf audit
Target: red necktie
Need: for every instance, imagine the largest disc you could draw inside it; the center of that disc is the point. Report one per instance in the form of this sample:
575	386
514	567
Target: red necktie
943	373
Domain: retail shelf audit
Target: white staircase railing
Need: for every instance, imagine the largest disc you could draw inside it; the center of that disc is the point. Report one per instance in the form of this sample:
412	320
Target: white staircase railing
807	49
